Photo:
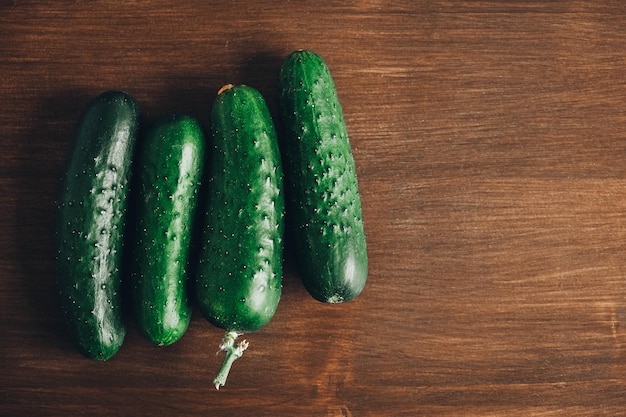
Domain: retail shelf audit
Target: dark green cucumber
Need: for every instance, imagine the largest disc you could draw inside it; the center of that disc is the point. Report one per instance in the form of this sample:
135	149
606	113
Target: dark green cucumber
240	268
91	219
323	195
168	173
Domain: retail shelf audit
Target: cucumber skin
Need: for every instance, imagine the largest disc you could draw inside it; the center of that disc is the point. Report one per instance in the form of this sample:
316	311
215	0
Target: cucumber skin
168	171
90	225
323	198
240	267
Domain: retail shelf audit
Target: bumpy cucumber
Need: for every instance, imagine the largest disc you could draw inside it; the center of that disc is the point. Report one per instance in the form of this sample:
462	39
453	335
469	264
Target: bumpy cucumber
240	268
168	173
91	218
323	196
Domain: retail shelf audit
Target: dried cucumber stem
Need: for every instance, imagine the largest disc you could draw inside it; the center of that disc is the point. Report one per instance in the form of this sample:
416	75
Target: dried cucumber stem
224	88
233	352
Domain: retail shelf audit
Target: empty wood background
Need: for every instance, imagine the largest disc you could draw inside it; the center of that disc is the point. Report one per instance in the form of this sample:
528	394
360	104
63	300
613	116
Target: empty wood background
490	144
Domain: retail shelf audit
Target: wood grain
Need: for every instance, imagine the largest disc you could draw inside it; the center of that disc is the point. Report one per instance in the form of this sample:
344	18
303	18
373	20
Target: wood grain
489	141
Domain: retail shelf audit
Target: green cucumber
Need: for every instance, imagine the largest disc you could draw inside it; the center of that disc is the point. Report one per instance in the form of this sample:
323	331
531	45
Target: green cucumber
240	268
169	167
320	179
90	226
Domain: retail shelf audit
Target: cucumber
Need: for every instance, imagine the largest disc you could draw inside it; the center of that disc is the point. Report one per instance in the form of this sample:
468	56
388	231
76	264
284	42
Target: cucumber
240	267
90	225
320	178
168	171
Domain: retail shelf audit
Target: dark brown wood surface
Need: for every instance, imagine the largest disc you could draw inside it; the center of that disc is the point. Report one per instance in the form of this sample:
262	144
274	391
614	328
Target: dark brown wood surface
490	142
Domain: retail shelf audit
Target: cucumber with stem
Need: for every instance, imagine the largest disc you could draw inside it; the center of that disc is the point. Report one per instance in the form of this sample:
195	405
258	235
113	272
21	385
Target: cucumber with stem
239	273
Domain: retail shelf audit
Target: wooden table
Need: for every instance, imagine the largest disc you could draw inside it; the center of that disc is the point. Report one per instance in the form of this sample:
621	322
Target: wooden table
490	146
